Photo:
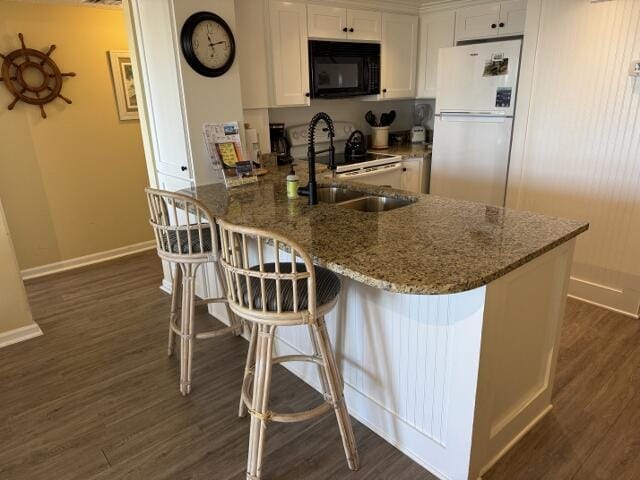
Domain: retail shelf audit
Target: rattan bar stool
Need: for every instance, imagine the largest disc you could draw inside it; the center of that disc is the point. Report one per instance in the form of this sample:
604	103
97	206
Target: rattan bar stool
277	294
187	241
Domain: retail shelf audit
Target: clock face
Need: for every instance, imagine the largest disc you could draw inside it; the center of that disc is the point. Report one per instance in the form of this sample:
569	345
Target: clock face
211	44
207	44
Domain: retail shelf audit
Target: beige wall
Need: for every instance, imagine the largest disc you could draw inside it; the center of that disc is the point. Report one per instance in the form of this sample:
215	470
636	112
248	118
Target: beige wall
14	309
72	184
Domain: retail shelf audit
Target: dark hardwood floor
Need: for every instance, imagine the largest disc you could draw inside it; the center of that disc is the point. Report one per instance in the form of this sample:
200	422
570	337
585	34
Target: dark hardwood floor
97	398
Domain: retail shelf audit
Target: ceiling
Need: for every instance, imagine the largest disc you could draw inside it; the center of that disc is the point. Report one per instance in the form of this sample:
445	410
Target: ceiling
116	3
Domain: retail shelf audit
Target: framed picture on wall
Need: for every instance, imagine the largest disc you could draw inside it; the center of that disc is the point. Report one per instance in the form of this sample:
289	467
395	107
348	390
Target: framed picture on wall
122	74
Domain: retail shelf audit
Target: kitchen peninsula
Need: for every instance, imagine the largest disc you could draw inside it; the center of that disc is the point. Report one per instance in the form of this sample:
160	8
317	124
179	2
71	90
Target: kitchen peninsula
447	328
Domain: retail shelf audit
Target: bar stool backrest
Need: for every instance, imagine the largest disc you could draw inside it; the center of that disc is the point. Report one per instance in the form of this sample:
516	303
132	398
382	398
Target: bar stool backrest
183	227
253	287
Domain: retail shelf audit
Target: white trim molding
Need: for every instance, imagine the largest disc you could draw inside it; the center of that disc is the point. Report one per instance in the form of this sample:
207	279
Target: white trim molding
440	5
619	300
64	265
19	334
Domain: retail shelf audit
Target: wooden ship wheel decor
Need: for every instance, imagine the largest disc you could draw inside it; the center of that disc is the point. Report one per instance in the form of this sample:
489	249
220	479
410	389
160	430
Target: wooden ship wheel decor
32	76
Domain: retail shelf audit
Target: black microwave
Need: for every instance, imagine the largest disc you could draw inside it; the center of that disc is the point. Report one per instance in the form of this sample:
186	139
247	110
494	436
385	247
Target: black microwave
343	69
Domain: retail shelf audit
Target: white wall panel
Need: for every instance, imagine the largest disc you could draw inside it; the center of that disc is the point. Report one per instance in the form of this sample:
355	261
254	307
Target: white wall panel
581	153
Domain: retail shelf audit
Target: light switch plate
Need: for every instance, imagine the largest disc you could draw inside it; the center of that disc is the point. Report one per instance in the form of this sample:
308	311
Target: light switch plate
634	69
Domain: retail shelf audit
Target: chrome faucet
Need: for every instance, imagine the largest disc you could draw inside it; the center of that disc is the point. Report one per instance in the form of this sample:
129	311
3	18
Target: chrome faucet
311	189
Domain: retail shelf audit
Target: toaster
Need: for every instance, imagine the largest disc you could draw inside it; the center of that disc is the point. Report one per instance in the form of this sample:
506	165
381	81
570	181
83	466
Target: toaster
418	135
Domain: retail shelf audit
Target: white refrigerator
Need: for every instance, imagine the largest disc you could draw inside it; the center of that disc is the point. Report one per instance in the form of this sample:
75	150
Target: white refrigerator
475	102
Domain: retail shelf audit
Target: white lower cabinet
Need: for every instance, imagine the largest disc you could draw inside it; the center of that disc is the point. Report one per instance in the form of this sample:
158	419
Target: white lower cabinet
399	55
412	178
289	51
436	31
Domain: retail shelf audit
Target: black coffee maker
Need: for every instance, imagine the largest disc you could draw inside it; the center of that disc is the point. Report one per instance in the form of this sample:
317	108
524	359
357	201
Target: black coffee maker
279	143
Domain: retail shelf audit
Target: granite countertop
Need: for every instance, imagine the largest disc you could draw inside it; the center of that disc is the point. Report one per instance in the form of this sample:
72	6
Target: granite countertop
433	246
406	150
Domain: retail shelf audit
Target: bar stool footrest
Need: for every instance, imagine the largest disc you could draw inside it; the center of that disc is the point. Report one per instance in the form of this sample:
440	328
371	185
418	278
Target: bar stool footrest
294	417
203	335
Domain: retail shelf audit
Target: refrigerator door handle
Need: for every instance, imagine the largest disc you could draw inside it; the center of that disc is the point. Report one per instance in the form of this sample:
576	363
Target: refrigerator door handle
473	114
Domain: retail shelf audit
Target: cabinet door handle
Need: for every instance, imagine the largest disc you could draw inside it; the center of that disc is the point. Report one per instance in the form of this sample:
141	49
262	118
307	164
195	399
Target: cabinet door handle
344	29
307	94
183	168
493	25
501	24
384	90
351	30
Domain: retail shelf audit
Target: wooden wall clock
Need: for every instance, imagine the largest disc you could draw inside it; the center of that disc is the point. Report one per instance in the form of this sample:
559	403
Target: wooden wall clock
31	76
207	44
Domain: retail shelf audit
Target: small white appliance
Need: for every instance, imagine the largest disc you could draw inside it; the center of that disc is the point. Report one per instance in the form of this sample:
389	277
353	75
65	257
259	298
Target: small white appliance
476	94
252	140
418	134
372	168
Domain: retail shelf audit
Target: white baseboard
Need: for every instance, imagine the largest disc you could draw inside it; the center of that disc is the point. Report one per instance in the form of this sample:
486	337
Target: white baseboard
19	335
166	286
623	301
78	262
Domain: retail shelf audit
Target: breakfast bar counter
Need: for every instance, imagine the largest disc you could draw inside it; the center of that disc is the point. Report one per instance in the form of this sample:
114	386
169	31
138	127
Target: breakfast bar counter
434	245
448	324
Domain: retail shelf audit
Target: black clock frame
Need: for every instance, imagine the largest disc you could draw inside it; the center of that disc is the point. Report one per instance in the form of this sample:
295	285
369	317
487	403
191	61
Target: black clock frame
186	42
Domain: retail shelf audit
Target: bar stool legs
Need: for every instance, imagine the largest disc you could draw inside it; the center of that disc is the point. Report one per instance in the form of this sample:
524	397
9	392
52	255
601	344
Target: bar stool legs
263	336
335	384
175	298
259	408
251	355
186	325
315	352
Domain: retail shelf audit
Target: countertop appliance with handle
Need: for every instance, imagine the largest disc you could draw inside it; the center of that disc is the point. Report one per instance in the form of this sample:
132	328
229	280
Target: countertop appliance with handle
356	145
279	143
418	134
476	94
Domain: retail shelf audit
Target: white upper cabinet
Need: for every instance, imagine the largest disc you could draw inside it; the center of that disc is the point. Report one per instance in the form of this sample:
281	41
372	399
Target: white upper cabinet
477	22
436	31
399	54
492	20
289	50
252	54
327	22
512	17
336	23
364	25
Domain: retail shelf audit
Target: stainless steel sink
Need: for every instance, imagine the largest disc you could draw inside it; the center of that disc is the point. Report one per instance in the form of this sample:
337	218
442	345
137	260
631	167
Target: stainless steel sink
337	194
376	204
361	201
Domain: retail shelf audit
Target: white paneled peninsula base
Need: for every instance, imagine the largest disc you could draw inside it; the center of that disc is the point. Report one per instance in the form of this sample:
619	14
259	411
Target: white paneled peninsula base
448	323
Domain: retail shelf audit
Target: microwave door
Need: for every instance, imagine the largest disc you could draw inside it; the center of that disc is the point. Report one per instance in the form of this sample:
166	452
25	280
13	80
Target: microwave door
343	69
338	76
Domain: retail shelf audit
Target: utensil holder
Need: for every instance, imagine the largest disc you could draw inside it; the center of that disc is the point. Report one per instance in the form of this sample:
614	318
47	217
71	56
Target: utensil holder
379	137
